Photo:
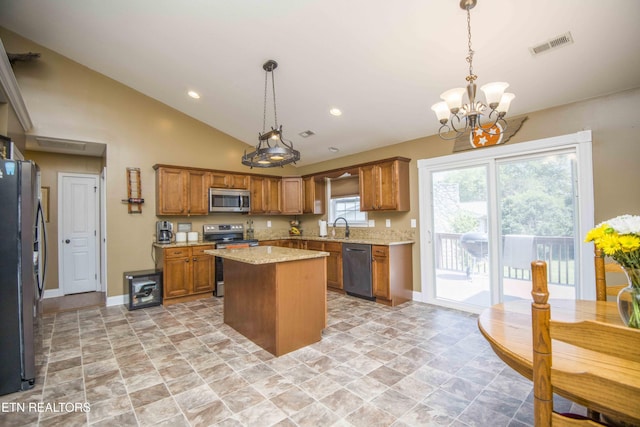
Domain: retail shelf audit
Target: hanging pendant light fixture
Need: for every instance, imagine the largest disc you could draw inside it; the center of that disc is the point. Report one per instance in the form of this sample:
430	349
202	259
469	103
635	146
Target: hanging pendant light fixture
272	149
458	117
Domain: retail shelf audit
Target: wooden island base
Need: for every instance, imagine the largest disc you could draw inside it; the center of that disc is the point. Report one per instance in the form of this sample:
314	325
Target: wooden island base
279	306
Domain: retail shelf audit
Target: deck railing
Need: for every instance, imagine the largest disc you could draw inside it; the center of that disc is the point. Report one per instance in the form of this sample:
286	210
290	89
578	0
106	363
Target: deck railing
556	251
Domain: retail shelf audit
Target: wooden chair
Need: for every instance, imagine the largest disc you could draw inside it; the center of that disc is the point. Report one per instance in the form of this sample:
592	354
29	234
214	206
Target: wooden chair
604	390
602	268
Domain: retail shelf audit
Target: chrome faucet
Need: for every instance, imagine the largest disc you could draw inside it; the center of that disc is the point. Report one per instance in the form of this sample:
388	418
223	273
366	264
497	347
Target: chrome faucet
346	230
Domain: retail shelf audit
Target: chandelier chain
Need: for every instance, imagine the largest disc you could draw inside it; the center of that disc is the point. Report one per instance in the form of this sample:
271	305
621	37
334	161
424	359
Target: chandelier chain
273	89
264	108
471	76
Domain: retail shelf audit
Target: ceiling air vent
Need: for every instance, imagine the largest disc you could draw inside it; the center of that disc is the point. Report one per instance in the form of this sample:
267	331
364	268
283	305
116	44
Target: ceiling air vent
554	43
307	133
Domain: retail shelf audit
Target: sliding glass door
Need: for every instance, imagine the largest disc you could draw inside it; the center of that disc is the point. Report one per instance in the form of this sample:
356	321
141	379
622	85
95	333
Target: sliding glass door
489	213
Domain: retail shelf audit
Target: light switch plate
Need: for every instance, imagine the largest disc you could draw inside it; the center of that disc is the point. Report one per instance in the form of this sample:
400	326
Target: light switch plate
372	223
268	224
413	223
388	222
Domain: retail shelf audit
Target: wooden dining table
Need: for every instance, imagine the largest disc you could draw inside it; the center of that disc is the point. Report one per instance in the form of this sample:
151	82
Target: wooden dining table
507	328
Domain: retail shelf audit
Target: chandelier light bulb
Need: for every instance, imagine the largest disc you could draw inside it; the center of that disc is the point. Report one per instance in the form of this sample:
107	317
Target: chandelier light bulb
442	111
505	102
493	93
453	98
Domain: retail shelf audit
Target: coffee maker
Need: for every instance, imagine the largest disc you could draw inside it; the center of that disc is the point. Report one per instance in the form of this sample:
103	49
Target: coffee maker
164	232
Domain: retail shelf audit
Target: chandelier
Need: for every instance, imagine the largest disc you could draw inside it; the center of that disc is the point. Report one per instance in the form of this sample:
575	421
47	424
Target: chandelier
458	117
272	149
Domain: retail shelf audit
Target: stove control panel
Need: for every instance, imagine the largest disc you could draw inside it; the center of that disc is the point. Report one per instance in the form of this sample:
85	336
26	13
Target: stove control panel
222	228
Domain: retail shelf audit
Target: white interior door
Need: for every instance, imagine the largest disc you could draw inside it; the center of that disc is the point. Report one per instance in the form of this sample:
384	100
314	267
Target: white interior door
78	206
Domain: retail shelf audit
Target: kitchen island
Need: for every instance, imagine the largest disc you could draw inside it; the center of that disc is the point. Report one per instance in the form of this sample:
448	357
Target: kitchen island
275	296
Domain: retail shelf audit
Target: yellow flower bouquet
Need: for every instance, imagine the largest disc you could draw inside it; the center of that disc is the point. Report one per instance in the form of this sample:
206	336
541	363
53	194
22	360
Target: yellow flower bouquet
619	238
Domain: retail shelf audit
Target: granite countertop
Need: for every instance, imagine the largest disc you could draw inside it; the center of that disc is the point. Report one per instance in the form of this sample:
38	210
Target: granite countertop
265	254
181	245
365	241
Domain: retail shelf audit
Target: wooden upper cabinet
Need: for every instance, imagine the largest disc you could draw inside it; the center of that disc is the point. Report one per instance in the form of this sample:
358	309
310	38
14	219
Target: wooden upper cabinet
272	195
197	192
384	186
314	195
256	186
181	191
228	180
292	197
170	191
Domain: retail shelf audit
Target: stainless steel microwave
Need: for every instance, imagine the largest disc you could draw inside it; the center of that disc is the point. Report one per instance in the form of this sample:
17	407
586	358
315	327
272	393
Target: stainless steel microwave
222	200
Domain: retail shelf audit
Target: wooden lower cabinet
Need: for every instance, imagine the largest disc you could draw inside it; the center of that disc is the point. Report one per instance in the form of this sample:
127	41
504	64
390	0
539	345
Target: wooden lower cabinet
334	265
392	273
188	273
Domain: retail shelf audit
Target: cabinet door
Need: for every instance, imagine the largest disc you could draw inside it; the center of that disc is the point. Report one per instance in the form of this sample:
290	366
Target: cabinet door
334	264
197	190
203	273
240	182
380	271
177	277
170	191
386	185
272	195
314	195
257	184
368	190
291	195
219	180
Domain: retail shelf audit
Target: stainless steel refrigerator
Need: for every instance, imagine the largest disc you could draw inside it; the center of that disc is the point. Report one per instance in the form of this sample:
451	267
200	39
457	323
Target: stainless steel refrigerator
21	280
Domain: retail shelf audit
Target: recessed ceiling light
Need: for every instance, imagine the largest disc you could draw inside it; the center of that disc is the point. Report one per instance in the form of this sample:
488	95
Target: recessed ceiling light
334	149
193	94
335	112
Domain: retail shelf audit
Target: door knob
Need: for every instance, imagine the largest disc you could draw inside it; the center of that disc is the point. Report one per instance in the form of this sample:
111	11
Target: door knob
67	241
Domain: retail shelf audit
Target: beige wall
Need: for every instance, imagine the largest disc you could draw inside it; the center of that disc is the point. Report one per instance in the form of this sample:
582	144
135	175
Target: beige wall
67	100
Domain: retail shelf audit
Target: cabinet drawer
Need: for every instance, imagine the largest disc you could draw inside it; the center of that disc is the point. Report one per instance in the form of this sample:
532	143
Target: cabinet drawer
333	247
199	250
382	251
176	252
313	245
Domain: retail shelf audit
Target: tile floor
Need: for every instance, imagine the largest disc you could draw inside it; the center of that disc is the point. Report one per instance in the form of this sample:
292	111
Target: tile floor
411	365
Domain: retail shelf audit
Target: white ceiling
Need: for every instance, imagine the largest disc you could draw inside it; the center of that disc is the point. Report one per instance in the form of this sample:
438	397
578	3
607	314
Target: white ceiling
382	63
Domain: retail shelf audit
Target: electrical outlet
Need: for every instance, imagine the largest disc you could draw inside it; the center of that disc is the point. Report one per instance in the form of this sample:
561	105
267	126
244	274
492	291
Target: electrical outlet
268	224
372	223
413	223
387	222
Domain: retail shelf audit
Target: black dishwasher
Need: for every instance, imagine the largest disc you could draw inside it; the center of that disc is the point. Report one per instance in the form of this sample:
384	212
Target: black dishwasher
356	270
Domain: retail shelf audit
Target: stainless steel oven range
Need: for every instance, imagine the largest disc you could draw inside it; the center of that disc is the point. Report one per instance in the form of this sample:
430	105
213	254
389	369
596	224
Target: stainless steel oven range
225	236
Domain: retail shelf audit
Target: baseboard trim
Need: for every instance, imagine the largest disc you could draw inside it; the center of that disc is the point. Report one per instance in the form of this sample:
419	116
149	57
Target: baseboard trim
118	300
52	293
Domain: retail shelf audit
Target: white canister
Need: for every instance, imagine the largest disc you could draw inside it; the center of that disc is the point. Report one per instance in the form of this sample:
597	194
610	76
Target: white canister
181	237
192	236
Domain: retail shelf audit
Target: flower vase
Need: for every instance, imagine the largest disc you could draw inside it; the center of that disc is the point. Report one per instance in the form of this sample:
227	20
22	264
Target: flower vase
629	299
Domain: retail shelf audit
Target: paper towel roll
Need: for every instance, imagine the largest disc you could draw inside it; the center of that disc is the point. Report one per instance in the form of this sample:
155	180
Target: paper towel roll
323	228
181	237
